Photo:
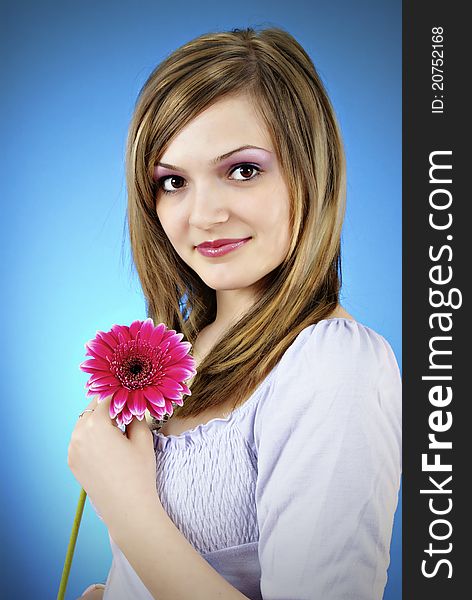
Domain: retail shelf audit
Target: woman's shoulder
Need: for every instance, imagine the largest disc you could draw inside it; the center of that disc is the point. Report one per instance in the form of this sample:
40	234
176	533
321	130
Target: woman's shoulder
333	368
339	346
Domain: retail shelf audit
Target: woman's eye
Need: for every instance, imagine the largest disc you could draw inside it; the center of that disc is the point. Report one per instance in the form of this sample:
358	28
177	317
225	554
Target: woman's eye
243	172
246	172
171	183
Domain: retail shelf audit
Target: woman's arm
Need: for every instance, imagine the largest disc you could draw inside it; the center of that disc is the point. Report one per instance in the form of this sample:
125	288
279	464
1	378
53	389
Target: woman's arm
165	561
119	474
329	458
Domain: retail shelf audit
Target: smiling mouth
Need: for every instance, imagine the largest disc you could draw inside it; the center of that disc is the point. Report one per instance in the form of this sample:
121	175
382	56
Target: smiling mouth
221	242
221	249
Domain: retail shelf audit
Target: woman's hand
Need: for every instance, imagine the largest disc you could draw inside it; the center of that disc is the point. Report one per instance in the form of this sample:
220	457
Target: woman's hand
116	469
93	593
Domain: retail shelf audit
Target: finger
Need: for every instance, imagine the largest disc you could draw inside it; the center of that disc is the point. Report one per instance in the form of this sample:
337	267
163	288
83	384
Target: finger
90	406
103	410
137	429
93	403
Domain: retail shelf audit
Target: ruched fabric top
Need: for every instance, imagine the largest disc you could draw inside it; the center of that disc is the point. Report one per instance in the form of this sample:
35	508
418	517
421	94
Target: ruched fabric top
292	496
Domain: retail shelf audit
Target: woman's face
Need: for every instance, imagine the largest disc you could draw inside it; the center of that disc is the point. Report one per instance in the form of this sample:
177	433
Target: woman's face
219	179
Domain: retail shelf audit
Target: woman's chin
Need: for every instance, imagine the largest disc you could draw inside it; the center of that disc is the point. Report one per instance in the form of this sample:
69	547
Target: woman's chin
226	284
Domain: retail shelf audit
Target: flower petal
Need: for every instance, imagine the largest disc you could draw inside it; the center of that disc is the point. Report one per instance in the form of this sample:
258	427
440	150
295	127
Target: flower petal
146	330
99	349
93	365
107	380
185	389
97	388
98	376
171	394
154	396
168	384
109	338
98	339
178	372
113	411
120	397
178	352
156	412
126	415
134	328
175	341
136	403
157	335
167	337
188	362
121	332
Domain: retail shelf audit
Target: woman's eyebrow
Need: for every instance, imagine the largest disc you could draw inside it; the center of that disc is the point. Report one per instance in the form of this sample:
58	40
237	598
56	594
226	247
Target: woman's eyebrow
216	160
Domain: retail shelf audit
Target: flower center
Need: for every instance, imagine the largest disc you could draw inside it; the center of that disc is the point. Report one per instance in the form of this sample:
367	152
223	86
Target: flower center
136	364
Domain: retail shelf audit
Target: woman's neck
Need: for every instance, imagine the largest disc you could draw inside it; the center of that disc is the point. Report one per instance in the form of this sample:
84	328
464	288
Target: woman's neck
231	305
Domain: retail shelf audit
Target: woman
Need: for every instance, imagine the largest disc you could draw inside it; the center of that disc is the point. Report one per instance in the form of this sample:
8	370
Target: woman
278	477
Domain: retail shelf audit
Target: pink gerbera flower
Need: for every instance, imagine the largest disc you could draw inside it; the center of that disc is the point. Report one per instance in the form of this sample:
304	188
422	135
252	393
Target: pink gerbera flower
141	367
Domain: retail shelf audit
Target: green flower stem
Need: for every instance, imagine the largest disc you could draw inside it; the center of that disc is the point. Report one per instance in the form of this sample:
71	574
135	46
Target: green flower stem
72	541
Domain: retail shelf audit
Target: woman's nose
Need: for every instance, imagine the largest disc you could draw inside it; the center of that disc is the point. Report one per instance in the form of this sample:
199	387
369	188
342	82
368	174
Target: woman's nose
207	206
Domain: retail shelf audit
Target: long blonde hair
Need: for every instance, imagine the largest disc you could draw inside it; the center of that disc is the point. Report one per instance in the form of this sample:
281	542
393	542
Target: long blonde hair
272	68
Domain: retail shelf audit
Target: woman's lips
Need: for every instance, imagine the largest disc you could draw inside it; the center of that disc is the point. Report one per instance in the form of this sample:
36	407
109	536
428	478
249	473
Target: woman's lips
221	250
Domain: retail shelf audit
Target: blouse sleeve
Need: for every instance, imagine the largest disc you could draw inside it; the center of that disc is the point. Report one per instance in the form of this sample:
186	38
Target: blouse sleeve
328	443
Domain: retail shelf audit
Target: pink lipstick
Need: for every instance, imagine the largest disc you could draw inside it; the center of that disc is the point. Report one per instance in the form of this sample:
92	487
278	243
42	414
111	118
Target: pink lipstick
220	247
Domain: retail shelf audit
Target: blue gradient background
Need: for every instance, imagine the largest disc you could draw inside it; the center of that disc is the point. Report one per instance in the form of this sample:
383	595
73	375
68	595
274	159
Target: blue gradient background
71	73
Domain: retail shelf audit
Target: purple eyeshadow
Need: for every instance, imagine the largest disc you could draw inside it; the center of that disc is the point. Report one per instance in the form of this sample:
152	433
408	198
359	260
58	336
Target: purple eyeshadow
160	171
250	155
